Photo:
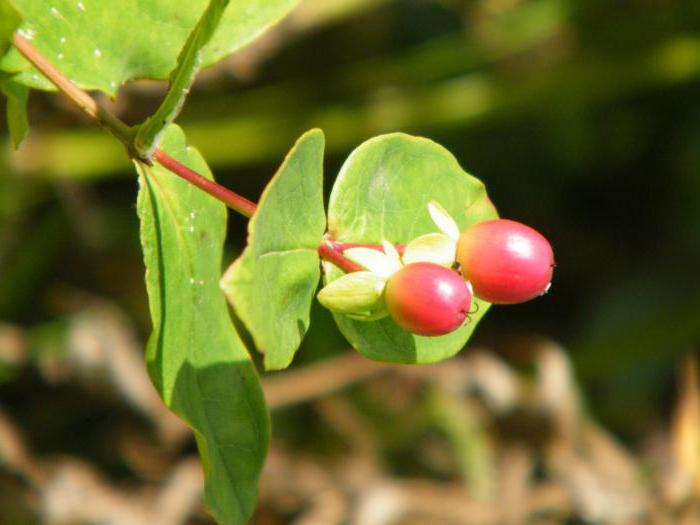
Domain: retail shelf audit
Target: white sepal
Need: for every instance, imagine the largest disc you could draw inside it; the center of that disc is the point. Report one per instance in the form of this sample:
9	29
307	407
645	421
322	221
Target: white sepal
444	221
390	251
375	261
435	248
356	293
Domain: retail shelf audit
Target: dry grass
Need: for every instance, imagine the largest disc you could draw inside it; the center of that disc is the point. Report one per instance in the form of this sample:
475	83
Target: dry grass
493	445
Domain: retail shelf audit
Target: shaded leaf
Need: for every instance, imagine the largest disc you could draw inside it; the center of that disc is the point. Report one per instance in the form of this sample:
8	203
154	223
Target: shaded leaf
382	192
100	44
17	121
271	286
195	358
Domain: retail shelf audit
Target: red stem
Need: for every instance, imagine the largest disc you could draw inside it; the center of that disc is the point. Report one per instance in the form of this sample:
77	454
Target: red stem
330	251
231	199
330	254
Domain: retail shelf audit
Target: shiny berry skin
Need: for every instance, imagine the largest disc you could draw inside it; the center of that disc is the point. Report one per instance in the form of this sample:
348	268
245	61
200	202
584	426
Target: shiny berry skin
505	261
427	299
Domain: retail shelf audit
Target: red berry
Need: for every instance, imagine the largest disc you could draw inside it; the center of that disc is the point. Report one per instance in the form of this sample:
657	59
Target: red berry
428	299
506	262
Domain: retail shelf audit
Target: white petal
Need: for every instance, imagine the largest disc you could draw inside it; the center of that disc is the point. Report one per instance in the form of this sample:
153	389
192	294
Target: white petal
390	251
443	220
375	261
436	248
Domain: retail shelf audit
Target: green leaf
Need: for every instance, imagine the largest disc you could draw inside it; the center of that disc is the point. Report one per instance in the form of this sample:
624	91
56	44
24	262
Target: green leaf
271	286
17	96
382	192
10	20
188	63
195	357
101	44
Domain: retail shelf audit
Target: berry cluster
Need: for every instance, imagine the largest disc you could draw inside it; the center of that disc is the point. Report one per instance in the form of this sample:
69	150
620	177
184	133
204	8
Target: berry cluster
428	289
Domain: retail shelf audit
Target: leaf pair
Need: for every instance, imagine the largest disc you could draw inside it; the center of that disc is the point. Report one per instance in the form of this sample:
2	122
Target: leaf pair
381	193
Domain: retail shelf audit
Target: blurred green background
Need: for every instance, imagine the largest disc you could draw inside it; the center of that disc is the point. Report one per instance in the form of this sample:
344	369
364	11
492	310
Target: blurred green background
582	118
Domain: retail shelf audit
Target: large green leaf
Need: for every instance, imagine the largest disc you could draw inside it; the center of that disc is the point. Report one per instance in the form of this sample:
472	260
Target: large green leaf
195	357
272	285
382	192
100	44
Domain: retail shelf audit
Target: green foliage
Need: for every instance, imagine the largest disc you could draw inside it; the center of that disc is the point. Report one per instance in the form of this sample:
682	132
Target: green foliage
188	63
272	285
17	96
381	193
195	357
100	44
9	21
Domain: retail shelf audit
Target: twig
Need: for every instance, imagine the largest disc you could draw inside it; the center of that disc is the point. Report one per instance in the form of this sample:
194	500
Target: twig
125	134
106	119
234	201
330	254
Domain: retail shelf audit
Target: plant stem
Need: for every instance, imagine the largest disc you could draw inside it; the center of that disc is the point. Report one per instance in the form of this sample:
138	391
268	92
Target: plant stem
124	133
110	122
231	199
331	254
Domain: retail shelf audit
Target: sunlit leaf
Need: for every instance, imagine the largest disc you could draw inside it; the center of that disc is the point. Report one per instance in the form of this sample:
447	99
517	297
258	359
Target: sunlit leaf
271	286
100	44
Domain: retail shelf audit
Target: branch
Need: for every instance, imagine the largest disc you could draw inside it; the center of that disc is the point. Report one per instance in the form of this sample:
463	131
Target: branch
109	121
328	253
231	199
103	117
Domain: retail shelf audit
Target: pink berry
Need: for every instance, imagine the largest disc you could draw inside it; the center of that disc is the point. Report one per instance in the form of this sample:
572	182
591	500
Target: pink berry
428	299
505	261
